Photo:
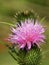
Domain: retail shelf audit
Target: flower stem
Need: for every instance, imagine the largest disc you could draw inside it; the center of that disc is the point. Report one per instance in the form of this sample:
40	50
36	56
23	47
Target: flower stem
7	24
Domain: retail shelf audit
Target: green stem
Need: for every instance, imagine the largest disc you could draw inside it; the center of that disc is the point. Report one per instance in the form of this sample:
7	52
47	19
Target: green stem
7	24
13	56
43	19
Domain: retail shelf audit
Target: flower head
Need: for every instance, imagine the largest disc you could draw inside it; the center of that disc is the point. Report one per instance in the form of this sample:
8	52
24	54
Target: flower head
27	34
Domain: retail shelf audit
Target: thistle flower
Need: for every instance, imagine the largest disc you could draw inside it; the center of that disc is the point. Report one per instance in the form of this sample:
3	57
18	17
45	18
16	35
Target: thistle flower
27	34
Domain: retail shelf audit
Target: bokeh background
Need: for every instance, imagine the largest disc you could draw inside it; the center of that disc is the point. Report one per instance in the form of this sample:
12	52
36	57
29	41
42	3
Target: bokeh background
8	9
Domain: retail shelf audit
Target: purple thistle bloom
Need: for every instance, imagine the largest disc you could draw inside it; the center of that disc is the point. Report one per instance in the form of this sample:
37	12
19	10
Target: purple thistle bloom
27	34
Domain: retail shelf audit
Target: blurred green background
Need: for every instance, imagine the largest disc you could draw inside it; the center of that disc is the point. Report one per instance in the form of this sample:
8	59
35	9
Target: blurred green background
8	8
